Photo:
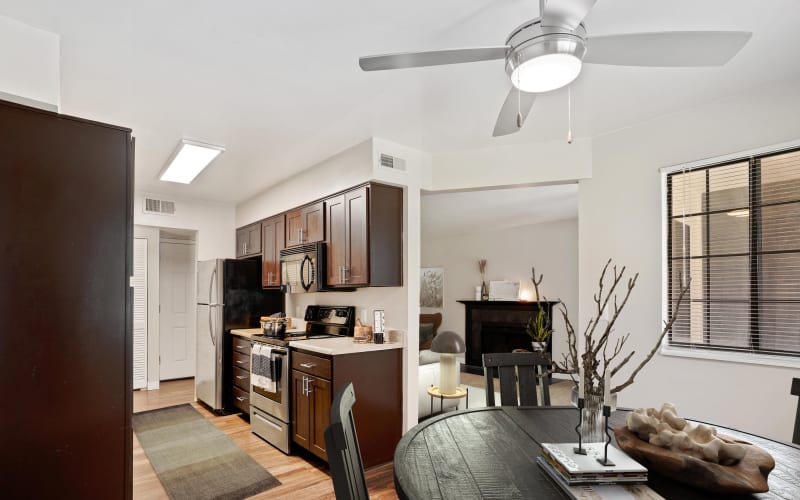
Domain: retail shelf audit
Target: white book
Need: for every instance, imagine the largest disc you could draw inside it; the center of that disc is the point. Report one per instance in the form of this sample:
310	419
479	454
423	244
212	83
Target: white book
575	466
600	491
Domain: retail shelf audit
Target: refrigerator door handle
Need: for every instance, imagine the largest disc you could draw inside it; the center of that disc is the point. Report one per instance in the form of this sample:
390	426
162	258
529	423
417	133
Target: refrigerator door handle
211	284
211	326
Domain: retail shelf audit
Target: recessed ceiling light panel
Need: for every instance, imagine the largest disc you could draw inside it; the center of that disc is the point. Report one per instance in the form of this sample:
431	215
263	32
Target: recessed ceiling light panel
189	160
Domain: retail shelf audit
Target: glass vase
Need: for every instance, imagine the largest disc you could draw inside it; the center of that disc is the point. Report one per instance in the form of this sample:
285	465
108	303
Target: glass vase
484	291
593	423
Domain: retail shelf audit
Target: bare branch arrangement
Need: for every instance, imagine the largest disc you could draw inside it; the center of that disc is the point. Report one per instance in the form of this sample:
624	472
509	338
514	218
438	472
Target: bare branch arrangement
598	357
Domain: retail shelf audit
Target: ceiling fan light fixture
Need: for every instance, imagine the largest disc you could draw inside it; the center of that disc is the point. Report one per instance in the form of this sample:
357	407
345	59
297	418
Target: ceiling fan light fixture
546	72
546	62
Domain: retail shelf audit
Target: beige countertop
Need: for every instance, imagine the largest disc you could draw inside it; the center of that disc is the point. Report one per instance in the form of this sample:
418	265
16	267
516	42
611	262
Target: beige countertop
331	346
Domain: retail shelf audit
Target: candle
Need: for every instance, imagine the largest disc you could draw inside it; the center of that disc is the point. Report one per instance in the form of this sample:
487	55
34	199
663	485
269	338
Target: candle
581	387
607	390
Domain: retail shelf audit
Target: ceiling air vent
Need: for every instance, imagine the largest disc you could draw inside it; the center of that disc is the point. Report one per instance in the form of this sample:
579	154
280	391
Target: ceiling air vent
159	207
394	162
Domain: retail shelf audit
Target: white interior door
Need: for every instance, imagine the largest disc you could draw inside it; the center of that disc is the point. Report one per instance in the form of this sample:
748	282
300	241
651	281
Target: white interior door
177	317
139	313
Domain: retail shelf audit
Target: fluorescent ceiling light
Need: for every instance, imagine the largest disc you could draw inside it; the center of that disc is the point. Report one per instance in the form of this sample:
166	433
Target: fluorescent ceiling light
742	212
189	159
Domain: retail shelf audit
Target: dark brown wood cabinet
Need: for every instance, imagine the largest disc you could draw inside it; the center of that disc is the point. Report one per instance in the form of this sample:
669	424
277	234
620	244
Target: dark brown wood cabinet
248	240
66	213
305	224
364	228
376	377
273	232
240	373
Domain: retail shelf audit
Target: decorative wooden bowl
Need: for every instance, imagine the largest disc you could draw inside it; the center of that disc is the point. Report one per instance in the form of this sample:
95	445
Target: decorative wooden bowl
747	476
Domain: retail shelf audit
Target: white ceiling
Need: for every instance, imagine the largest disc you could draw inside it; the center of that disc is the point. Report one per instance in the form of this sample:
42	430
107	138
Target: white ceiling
277	83
453	214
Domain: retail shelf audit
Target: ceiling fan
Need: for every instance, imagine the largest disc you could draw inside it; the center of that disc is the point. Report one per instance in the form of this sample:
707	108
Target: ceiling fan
547	53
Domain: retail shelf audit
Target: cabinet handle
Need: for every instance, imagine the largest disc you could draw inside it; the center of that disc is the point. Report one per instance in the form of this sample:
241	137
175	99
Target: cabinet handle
239	362
239	398
304	385
241	346
341	280
241	377
345	270
307	365
245	247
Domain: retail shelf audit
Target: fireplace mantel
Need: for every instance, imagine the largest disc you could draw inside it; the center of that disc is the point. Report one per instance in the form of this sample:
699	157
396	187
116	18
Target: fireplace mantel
498	326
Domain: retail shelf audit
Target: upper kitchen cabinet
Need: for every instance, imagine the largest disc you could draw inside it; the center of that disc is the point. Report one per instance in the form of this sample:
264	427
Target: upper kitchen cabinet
365	230
305	224
273	231
248	240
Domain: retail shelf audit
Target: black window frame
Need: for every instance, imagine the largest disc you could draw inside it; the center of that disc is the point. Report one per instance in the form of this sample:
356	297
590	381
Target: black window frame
754	254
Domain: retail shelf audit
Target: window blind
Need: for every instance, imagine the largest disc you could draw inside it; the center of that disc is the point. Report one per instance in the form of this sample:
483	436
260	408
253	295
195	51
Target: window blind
734	229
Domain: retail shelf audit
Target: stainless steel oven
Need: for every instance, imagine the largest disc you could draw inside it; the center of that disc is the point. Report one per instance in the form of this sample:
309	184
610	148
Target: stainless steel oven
270	411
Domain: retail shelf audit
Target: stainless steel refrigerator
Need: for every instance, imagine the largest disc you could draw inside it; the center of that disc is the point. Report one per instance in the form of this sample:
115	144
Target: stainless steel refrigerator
229	296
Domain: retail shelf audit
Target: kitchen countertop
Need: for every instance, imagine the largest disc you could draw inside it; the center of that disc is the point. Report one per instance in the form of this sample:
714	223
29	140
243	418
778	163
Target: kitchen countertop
331	346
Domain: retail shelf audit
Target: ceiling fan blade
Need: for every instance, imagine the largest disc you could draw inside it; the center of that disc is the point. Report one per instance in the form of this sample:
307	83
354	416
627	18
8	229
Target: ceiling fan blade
507	119
431	58
667	49
565	13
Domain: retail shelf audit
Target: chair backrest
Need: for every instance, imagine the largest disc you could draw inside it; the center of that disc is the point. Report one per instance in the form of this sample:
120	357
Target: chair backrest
341	445
796	392
436	320
520	373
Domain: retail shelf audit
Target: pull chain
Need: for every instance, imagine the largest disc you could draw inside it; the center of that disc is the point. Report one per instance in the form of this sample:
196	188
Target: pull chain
519	98
569	114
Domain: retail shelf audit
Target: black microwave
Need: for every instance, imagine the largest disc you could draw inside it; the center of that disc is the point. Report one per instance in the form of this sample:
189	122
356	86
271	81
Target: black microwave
303	268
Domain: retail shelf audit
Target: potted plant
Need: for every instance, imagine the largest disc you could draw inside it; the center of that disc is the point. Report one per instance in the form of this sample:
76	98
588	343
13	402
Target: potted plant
538	326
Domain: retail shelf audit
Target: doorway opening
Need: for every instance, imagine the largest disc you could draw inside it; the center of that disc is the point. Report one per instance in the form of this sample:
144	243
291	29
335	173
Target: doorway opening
164	325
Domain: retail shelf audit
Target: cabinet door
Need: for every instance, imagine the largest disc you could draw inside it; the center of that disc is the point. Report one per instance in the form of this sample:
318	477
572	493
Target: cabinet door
320	397
268	255
301	410
294	226
273	237
241	242
254	239
336	229
356	271
313	222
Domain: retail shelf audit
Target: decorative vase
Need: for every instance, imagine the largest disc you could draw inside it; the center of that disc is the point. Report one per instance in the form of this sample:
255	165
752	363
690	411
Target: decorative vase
593	423
484	291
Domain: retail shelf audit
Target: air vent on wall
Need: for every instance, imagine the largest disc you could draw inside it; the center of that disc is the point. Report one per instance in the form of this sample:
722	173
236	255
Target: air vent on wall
392	162
159	207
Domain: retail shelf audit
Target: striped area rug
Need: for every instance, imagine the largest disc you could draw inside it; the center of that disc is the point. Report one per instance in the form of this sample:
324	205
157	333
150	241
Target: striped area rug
195	460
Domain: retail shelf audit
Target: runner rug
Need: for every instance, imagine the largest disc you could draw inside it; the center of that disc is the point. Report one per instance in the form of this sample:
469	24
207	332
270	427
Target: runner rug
194	459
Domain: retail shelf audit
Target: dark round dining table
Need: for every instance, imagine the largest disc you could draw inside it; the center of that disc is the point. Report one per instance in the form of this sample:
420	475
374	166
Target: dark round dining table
491	453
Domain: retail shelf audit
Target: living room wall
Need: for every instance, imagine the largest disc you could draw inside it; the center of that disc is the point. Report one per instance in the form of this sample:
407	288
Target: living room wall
552	247
620	217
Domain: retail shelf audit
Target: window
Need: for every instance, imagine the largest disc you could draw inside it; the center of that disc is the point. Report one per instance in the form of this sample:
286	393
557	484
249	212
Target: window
734	229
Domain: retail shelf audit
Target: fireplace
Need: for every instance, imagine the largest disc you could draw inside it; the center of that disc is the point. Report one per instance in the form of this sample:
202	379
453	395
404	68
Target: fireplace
497	326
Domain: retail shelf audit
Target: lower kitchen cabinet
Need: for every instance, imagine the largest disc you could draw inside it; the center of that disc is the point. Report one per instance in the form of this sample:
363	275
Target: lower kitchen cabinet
240	374
379	400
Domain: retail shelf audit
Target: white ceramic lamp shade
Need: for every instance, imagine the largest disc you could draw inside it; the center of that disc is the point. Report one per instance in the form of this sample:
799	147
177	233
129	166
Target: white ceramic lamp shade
448	344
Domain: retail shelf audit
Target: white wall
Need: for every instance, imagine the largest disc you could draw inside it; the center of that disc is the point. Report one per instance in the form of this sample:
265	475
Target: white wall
29	58
517	164
552	247
346	169
213	221
620	217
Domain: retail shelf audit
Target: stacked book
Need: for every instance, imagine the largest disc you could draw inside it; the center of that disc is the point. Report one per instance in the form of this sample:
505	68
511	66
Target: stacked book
571	469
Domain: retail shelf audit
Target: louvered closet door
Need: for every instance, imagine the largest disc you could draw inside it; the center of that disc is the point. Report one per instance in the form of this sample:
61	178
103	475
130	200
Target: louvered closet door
139	313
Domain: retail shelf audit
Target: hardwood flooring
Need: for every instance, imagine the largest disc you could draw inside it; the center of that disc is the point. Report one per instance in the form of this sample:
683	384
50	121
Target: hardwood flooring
302	477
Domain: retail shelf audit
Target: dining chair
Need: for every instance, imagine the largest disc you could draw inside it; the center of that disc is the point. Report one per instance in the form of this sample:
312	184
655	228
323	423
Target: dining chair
520	373
341	445
796	392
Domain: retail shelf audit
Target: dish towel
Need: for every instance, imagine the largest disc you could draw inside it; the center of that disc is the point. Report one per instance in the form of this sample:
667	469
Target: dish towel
261	372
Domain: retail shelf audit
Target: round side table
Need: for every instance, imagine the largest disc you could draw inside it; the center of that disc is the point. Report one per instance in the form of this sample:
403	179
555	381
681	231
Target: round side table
434	392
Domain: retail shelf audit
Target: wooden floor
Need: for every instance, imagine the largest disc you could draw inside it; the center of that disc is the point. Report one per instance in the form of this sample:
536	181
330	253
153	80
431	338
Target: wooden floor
301	478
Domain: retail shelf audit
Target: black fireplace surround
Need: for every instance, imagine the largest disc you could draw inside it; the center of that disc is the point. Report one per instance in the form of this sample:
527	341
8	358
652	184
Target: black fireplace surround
498	326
